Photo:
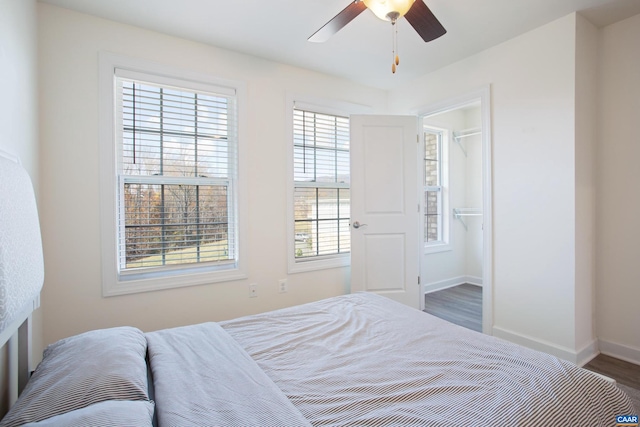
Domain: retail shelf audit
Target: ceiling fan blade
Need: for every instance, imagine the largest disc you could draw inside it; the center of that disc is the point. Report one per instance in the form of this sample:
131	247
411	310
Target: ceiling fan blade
338	22
424	21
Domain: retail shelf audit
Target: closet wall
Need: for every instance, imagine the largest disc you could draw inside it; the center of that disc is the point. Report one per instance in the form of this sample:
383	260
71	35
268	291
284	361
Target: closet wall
461	260
473	194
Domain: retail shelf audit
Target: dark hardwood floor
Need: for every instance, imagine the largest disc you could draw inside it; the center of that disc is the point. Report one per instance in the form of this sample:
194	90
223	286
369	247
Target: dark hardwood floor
626	374
623	372
462	305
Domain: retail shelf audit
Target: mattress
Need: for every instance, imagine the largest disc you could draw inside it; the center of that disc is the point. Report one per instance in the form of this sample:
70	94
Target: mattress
365	360
353	360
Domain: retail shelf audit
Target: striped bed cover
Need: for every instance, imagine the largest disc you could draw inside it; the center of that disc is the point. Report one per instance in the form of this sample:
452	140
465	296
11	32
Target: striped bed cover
364	360
202	377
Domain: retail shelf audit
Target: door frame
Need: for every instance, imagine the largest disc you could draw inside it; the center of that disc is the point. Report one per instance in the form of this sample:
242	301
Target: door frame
484	95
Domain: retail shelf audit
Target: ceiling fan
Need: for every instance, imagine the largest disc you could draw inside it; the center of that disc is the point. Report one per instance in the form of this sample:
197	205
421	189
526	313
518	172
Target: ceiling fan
416	12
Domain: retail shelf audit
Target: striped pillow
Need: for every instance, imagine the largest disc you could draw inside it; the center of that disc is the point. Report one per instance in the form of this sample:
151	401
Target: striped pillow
116	413
76	372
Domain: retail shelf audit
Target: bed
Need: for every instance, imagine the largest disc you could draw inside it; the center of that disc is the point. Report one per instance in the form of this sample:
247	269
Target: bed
351	360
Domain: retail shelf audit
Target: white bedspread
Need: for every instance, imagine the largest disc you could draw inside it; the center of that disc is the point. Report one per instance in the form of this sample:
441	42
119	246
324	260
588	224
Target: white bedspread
364	360
203	378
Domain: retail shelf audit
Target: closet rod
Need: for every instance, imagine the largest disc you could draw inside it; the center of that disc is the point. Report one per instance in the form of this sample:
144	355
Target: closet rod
467	134
458	213
457	136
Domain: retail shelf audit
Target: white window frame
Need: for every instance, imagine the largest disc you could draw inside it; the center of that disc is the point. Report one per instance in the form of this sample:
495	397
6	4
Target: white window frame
113	282
444	244
322	106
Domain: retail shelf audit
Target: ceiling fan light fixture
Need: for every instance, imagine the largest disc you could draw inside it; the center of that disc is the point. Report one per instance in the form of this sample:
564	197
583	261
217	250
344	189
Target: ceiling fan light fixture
389	10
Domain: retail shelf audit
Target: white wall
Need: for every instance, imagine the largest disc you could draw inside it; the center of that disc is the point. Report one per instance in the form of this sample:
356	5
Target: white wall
72	299
585	181
532	81
543	230
18	82
618	198
473	195
18	109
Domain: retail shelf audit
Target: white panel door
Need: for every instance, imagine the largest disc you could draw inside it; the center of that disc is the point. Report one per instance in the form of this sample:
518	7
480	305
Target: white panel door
385	215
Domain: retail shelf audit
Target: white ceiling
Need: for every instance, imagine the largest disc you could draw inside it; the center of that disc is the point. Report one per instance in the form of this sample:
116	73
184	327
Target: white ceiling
278	29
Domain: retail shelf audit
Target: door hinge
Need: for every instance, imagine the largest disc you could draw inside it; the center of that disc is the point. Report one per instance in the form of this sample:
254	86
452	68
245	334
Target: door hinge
418	138
418	280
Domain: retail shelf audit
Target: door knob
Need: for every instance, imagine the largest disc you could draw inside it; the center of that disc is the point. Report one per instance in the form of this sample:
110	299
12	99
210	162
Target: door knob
357	225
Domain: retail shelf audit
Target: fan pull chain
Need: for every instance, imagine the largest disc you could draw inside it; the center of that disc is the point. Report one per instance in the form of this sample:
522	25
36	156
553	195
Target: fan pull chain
396	57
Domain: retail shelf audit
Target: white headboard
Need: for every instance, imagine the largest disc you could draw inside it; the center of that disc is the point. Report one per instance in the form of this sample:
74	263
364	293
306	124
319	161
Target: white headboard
21	265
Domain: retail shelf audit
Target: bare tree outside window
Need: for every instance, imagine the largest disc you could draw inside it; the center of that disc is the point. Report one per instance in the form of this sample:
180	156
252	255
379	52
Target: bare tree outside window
177	167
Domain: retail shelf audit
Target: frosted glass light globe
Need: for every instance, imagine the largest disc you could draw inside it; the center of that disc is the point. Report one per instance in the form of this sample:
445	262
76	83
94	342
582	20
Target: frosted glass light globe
386	9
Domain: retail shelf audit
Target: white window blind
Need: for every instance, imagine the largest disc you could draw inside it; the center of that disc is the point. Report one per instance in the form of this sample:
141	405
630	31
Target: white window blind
176	167
321	185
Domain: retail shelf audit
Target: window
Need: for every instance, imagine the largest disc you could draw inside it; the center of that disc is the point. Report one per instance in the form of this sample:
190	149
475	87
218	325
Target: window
321	200
174	183
435	231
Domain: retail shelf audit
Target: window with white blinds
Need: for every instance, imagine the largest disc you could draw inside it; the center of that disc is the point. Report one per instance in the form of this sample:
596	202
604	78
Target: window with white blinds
433	187
176	172
321	185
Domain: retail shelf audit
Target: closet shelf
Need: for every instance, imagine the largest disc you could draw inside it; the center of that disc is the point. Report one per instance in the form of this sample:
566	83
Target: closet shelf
459	213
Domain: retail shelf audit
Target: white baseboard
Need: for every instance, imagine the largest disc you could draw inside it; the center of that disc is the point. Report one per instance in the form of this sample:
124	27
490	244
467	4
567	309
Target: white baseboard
587	353
580	357
449	283
619	351
473	280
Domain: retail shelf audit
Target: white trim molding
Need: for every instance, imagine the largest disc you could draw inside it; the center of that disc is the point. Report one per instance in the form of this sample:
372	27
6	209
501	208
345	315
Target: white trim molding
483	94
620	351
473	280
450	283
587	353
112	284
578	357
324	106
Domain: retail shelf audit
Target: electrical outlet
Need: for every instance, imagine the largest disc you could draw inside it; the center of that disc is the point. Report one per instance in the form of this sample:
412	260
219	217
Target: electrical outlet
282	286
253	290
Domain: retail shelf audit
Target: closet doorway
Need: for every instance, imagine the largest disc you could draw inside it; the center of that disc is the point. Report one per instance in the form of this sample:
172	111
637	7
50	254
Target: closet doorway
456	228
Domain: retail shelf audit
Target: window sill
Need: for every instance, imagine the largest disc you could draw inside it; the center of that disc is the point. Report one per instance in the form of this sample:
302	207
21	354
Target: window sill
124	287
436	248
319	264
